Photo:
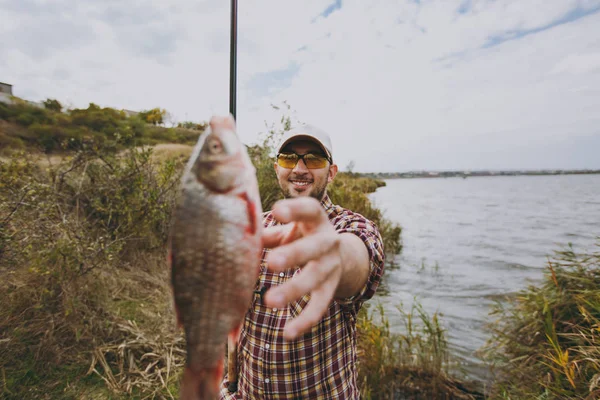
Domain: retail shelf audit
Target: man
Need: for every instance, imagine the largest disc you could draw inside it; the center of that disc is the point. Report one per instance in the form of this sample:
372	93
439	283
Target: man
320	263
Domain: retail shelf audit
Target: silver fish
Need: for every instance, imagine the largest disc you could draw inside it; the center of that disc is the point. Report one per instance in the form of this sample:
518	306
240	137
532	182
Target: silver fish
214	253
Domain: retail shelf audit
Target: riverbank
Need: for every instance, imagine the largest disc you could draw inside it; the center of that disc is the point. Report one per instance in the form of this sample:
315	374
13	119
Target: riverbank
474	174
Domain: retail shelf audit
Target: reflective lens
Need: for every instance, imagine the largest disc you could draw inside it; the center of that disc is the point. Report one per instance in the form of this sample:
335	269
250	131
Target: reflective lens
311	160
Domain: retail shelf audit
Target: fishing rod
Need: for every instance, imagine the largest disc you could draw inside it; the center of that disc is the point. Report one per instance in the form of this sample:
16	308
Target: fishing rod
232	345
233	59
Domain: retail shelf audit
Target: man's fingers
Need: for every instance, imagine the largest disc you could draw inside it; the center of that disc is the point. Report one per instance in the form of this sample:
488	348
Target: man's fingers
309	279
277	235
301	251
312	313
304	209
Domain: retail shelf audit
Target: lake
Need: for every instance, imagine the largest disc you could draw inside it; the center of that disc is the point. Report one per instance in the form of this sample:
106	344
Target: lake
467	242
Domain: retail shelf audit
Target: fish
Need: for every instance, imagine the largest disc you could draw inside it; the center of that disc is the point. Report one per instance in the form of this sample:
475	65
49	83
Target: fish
214	250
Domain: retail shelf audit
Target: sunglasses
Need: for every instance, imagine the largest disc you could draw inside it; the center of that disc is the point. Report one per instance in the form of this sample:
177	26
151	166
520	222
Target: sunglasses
311	160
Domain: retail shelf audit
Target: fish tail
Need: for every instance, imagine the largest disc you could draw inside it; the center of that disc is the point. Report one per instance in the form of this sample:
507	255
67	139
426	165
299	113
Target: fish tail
201	385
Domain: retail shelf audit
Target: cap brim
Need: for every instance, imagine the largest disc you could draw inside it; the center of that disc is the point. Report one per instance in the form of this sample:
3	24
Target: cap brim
306	136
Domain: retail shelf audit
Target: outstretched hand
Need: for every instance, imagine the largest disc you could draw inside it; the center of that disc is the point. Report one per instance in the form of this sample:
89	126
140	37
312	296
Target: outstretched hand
307	239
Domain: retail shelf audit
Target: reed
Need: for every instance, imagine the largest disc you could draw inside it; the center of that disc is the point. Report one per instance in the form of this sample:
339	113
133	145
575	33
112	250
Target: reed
413	364
546	340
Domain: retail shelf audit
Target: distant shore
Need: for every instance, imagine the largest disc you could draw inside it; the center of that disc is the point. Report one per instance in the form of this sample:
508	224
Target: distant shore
470	174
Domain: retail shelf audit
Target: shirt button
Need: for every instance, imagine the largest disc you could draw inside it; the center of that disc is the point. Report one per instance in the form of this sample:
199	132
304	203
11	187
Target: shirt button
267	380
274	310
281	274
267	346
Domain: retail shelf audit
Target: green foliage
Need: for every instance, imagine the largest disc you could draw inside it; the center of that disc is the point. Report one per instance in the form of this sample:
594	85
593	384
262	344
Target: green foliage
154	116
546	339
51	131
411	364
74	239
351	192
192	125
86	298
53	105
27	115
106	120
262	158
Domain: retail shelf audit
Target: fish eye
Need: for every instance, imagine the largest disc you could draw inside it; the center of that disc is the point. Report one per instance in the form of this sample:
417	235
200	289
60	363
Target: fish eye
214	146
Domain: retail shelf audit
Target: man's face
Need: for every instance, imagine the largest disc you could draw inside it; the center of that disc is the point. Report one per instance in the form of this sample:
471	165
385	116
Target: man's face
301	181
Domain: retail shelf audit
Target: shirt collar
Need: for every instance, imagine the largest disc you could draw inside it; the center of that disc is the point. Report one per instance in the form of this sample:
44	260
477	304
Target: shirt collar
326	202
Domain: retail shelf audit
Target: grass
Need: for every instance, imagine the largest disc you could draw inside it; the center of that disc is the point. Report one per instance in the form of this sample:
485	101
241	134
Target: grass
87	306
413	364
54	131
85	288
87	309
546	340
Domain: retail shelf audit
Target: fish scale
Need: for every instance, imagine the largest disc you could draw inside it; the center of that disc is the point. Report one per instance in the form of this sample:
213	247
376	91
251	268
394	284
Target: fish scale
215	248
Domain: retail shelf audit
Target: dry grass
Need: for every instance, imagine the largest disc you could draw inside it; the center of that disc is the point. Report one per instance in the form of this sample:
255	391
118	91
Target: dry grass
413	364
87	306
167	151
86	298
546	340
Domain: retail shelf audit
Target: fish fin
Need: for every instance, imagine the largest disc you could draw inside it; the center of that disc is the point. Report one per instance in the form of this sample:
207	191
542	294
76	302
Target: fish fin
178	317
232	365
222	122
234	334
203	384
251	207
170	264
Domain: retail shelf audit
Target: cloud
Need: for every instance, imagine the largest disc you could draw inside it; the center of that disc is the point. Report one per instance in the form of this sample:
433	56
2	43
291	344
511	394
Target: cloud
40	37
143	30
262	84
399	84
336	5
571	16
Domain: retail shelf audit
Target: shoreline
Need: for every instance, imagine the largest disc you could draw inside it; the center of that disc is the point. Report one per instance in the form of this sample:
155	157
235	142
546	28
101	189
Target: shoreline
471	174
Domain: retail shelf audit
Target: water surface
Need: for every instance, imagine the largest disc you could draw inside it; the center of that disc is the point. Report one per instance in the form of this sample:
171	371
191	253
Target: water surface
470	241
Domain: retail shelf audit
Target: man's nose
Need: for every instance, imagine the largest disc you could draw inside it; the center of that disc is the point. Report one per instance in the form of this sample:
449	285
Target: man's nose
300	167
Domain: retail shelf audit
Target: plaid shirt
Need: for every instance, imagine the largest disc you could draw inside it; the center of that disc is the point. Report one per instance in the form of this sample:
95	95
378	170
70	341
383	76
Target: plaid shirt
321	364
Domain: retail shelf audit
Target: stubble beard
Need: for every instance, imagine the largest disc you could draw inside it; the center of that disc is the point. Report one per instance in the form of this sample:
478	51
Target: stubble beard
318	192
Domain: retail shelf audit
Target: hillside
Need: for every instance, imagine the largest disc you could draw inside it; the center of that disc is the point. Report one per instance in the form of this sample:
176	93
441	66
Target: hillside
51	129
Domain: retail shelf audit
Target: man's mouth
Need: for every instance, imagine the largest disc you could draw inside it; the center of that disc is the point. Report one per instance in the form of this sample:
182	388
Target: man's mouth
300	183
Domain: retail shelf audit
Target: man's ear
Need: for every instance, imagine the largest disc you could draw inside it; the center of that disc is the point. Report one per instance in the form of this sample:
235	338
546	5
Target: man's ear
333	170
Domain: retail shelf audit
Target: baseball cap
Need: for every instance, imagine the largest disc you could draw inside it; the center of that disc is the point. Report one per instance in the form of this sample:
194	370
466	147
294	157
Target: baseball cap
310	132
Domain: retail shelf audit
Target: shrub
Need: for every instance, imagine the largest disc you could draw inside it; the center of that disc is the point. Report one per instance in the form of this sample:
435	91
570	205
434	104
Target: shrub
82	245
412	364
53	105
546	341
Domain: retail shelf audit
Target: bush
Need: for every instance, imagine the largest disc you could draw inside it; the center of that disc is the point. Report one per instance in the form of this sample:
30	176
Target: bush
105	120
545	342
81	248
53	105
87	304
352	192
413	364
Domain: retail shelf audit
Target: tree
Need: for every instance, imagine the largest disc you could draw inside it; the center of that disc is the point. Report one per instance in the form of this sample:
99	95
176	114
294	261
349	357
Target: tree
53	105
155	116
350	167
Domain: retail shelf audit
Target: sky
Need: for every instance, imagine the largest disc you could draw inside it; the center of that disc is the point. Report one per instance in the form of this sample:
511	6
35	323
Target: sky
400	85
